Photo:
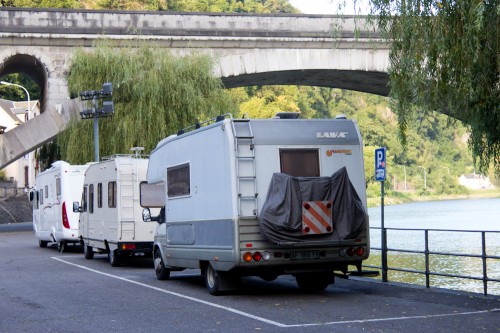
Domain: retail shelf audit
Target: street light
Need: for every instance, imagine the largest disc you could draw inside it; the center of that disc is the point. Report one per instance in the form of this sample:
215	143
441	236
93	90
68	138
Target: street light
95	113
425	177
30	154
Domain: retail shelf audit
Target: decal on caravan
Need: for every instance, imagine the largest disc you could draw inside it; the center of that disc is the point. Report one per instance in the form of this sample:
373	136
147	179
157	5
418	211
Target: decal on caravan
260	197
55	190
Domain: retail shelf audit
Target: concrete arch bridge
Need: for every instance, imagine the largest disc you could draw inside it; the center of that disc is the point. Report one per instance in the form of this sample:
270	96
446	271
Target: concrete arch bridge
250	50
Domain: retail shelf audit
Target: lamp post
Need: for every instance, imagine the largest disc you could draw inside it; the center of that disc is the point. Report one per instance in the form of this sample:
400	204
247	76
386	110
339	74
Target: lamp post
30	154
95	113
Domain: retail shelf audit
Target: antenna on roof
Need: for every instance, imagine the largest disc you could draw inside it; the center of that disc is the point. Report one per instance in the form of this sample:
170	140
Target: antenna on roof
137	150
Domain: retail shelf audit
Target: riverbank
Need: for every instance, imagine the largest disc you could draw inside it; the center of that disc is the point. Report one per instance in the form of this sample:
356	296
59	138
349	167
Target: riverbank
402	198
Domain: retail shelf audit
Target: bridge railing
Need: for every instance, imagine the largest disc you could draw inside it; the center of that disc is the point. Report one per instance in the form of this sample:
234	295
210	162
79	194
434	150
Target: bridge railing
434	260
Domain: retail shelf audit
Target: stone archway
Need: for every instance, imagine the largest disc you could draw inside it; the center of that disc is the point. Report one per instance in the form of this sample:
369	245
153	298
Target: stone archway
30	66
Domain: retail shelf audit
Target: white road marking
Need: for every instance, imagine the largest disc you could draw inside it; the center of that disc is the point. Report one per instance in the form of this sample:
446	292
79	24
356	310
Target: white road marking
272	322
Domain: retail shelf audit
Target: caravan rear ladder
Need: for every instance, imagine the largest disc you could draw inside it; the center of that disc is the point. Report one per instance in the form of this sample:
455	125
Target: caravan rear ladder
126	178
245	168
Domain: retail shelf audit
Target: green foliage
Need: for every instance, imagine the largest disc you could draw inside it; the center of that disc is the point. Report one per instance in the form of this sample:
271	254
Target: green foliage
47	154
13	93
233	6
155	94
445	56
42	3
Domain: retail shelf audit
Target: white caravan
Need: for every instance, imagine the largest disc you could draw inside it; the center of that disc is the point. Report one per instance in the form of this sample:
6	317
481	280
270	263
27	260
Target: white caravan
55	190
110	213
261	197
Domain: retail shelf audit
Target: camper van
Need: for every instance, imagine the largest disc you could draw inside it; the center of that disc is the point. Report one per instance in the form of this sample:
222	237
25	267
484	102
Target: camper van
55	190
259	197
110	214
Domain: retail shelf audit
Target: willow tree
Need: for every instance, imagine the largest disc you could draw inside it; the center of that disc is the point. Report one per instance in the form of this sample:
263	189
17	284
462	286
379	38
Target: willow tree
155	94
445	57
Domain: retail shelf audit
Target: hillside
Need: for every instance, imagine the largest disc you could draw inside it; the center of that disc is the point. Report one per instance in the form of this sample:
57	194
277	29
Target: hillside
435	156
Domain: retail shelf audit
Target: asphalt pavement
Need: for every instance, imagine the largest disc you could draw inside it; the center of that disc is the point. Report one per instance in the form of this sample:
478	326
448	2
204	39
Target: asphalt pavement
42	290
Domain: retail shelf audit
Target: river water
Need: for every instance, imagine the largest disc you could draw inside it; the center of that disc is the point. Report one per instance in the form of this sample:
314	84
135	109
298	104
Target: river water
461	216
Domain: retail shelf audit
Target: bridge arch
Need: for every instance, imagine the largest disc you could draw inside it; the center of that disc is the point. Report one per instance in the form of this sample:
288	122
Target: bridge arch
362	70
29	65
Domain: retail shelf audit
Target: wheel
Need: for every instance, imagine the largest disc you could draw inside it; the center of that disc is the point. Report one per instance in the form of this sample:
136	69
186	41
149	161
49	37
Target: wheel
88	253
42	243
114	258
212	280
162	273
314	281
61	246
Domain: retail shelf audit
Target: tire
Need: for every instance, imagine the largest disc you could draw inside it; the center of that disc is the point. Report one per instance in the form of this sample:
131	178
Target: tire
42	244
61	246
88	253
212	280
314	282
162	273
114	258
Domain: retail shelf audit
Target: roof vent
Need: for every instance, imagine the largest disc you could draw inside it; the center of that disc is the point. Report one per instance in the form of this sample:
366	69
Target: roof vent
286	115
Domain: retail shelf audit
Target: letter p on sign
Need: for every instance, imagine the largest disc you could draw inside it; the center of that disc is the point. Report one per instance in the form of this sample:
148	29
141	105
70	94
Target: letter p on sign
380	164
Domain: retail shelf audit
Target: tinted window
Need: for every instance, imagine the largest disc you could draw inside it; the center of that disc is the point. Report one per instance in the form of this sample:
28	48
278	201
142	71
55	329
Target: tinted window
84	199
300	162
91	198
99	195
112	194
178	180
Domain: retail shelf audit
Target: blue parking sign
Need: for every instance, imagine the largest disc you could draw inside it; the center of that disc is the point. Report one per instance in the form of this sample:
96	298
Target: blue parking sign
380	164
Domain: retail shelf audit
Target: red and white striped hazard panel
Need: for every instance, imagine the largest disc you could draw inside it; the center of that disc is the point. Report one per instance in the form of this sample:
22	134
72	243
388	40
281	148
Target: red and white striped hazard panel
317	217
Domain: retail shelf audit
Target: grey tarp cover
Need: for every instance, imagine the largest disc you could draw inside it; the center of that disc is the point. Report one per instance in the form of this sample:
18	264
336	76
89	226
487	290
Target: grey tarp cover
281	215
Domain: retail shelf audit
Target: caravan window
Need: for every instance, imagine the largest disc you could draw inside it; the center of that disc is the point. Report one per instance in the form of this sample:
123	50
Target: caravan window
91	198
112	194
46	191
41	197
84	199
178	180
300	162
35	199
99	195
58	187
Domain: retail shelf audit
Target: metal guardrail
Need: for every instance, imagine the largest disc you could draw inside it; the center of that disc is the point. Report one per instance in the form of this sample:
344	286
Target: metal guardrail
427	253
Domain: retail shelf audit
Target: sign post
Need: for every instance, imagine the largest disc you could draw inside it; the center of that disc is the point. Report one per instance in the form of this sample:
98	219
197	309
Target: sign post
380	175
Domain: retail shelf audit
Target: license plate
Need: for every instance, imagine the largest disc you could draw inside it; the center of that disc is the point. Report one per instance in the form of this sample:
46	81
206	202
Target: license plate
304	255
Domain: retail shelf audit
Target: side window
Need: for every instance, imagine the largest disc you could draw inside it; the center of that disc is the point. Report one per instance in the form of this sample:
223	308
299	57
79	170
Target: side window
41	197
300	162
35	200
46	191
178	180
58	187
84	199
99	195
112	194
91	198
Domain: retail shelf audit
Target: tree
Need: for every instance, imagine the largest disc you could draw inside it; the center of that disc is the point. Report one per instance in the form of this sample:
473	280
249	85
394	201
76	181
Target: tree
155	94
445	57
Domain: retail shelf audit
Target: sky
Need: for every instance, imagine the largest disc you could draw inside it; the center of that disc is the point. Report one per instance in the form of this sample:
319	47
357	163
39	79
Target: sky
327	7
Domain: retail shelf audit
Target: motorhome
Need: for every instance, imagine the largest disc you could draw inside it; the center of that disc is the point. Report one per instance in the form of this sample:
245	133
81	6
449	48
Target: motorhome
110	214
55	189
259	197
